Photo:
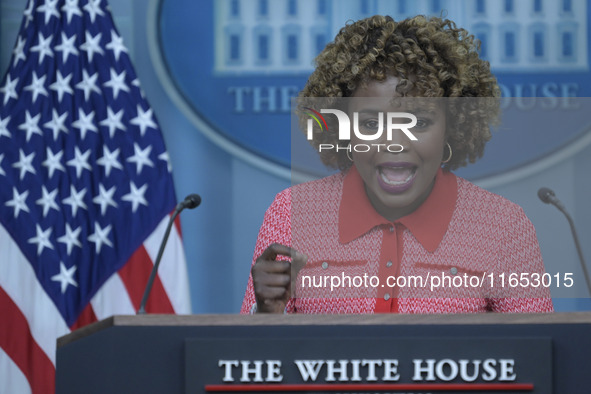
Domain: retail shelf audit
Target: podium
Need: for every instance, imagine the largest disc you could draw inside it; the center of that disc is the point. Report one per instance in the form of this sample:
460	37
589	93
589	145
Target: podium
509	353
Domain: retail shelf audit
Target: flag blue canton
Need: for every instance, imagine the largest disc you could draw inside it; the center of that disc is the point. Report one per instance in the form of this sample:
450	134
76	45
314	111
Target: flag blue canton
84	171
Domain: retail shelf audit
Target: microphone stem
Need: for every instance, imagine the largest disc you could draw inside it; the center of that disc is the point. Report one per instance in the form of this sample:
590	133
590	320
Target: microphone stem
142	309
577	245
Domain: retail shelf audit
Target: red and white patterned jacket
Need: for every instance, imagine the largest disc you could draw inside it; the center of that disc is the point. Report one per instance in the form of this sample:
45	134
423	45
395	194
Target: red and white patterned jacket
454	254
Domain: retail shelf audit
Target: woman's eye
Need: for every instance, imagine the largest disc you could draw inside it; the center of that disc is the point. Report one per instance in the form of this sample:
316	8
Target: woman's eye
423	123
371	124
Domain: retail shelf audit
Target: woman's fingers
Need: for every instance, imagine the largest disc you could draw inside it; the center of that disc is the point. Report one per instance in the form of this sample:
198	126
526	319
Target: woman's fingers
297	263
275	250
273	279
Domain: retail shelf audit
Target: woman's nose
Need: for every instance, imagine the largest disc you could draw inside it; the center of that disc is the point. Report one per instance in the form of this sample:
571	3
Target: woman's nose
397	140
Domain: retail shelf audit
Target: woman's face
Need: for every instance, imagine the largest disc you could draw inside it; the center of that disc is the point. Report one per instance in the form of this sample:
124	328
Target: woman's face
397	183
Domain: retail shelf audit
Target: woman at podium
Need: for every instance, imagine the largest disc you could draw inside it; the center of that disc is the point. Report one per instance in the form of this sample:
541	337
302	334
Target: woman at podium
396	107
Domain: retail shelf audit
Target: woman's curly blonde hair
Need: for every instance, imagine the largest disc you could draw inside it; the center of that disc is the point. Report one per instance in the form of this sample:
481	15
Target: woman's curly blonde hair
431	57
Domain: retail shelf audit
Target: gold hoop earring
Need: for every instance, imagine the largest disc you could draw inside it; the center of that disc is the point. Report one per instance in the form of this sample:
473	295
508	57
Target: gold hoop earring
349	153
450	154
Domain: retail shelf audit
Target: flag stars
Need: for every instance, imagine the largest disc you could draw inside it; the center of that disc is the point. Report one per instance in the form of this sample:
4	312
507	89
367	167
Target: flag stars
31	125
80	161
105	198
100	237
29	13
96	194
25	163
136	83
71	238
76	199
141	157
41	239
85	122
57	123
88	84
48	200
53	162
136	196
117	83
1	169
92	45
164	156
113	121
43	47
19	51
9	89
67	47
65	277
93	8
62	85
109	160
4	127
37	86
71	8
143	120
18	202
116	45
50	9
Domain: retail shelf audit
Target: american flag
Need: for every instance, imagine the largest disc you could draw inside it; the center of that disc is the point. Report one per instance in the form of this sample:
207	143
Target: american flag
85	189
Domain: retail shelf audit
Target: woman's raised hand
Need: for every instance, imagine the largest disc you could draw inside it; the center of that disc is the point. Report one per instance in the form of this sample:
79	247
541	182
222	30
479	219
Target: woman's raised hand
274	280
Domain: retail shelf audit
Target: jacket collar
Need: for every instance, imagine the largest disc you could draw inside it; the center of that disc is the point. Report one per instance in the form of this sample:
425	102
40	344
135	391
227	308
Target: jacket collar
428	223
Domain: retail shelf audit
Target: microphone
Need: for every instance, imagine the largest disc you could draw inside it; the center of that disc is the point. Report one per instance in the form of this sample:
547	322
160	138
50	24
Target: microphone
191	201
547	196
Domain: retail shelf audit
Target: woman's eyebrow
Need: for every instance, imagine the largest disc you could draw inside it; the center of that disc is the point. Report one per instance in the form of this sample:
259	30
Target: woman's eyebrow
416	112
423	112
370	111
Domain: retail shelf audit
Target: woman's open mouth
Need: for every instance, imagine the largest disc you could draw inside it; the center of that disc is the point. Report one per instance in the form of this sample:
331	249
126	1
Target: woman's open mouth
396	177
